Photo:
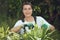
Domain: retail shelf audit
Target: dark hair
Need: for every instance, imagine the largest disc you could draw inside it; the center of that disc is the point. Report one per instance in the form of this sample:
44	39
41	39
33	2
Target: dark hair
26	3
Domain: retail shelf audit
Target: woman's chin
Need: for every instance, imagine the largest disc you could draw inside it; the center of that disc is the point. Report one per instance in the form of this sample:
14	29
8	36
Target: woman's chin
28	16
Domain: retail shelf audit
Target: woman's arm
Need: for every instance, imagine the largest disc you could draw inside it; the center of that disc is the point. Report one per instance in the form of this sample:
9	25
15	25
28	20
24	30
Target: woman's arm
15	29
17	26
51	27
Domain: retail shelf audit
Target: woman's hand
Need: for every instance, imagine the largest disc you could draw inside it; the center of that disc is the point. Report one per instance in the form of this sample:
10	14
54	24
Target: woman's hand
52	27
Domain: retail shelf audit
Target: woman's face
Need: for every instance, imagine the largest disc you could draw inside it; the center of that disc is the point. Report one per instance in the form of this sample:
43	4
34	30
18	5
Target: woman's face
27	10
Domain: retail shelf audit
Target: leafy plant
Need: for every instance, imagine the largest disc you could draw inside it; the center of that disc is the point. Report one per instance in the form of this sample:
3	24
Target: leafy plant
3	33
13	36
36	33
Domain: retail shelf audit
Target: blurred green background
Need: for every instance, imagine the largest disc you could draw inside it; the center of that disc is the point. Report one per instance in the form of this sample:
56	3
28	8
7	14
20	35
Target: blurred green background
10	11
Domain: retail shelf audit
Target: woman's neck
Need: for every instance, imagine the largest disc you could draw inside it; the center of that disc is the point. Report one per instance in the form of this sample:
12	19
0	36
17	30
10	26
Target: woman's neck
29	19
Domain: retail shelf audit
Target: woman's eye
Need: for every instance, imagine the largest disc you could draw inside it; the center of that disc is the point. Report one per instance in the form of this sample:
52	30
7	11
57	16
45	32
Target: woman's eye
29	8
25	9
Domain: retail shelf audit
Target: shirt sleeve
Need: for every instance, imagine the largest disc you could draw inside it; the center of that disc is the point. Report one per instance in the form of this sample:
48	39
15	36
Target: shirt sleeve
18	23
42	21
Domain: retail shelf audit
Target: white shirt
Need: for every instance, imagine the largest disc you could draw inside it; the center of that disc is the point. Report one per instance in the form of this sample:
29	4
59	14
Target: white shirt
39	20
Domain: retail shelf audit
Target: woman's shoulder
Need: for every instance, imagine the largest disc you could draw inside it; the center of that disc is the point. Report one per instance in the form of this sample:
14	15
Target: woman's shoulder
39	17
19	22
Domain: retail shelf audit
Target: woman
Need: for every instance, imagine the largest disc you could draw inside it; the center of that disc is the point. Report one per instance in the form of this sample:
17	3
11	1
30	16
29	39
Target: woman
29	19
